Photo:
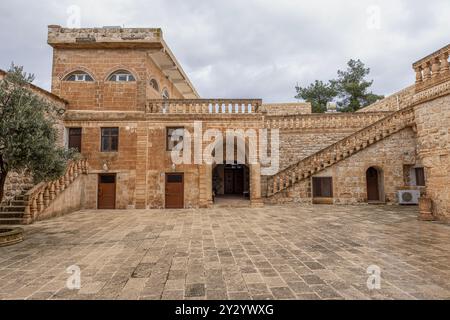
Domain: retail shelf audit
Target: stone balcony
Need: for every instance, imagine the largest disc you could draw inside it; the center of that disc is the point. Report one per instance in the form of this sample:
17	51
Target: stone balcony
433	69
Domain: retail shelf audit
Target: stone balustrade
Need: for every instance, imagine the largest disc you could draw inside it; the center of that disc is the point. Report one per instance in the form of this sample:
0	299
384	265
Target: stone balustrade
323	121
41	195
340	150
204	106
394	102
433	69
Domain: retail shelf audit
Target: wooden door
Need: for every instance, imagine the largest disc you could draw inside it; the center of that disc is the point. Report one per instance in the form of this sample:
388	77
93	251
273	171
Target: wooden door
373	191
239	181
228	181
174	190
107	191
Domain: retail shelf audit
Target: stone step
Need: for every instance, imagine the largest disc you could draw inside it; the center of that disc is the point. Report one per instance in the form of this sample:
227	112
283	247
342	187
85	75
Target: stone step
18	203
10	221
11	215
12	209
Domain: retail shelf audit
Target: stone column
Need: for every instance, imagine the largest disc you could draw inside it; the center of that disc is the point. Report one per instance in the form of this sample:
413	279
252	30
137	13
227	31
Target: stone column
140	192
205	186
255	186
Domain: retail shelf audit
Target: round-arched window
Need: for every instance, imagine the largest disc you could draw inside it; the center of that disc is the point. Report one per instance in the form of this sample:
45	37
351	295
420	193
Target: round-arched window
154	84
165	94
121	76
79	76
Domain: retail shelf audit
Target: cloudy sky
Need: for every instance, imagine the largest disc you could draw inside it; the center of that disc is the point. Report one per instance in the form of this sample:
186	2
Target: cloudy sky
248	48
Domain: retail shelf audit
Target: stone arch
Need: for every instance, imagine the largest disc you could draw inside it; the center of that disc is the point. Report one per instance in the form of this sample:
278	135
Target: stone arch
248	168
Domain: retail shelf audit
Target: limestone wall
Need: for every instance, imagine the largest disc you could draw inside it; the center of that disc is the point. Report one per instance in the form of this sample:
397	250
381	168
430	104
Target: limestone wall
286	108
16	184
433	138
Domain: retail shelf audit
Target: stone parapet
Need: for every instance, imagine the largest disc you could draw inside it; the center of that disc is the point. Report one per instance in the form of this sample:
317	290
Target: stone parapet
106	36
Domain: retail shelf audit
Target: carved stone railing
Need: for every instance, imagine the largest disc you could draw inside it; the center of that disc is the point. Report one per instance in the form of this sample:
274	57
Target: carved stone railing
340	150
392	103
203	106
41	195
324	121
433	69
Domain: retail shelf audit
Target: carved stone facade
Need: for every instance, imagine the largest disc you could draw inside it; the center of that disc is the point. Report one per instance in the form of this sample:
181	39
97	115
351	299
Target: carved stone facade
382	144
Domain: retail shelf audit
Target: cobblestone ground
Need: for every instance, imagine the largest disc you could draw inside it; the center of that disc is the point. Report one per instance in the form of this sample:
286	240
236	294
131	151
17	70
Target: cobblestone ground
286	252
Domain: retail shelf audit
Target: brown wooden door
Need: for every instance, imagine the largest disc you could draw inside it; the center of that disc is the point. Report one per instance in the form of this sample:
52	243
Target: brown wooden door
228	181
174	190
239	181
373	191
107	191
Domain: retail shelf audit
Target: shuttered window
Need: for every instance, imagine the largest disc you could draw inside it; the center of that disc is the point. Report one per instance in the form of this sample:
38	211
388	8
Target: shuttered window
420	176
322	187
75	139
110	140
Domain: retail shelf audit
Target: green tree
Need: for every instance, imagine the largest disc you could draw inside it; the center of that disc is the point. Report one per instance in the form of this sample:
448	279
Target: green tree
318	94
353	88
27	131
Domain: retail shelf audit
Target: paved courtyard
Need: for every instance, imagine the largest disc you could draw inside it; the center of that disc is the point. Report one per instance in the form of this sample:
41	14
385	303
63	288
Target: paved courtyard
281	252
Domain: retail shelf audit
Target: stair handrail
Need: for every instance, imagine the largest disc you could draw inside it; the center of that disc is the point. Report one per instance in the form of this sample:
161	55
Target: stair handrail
332	148
38	198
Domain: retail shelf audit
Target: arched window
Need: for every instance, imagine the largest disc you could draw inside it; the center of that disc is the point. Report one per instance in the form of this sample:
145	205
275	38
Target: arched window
165	94
154	84
79	76
121	76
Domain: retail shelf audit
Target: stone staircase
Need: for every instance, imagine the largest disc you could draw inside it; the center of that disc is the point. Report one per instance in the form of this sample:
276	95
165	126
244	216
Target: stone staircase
340	150
12	211
26	207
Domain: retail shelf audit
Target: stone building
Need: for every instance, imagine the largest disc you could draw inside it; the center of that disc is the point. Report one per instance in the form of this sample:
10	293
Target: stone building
127	98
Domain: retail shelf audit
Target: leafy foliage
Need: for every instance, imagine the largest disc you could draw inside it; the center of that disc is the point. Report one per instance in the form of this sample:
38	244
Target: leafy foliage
353	88
318	94
350	90
28	136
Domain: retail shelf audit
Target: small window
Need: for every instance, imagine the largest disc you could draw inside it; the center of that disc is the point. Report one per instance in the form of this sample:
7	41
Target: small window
110	139
107	178
121	76
174	137
322	187
165	94
79	76
154	84
420	177
174	178
75	139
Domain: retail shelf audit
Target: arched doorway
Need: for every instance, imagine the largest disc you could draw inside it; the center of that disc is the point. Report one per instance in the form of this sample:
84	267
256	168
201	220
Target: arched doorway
374	180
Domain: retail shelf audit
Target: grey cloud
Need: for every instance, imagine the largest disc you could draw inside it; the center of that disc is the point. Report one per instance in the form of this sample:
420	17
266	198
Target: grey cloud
248	48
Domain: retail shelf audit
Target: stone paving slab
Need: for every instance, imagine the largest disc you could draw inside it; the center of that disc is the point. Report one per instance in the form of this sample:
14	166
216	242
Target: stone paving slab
276	252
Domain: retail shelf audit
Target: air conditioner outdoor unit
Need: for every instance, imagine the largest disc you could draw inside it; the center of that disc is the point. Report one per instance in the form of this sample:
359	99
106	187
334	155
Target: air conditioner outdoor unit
408	196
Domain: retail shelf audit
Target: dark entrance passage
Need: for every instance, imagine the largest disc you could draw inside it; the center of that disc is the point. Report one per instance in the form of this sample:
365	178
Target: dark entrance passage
231	179
107	191
174	190
234	180
373	184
